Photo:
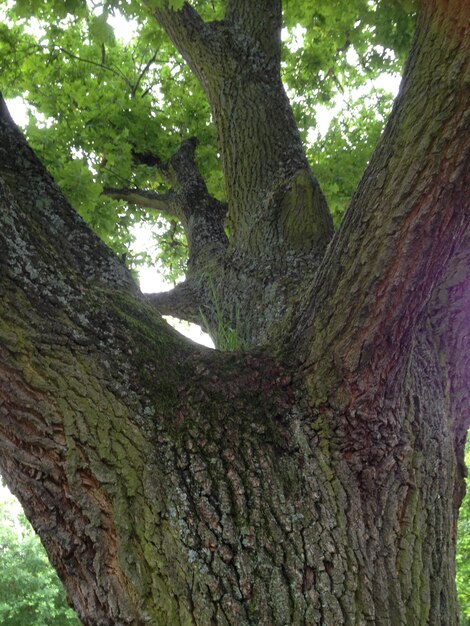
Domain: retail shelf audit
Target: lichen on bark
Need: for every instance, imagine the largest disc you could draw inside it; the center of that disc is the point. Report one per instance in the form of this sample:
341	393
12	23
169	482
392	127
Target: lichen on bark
314	478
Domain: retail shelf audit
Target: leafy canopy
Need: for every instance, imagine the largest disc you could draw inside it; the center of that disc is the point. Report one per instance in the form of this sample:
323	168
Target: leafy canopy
463	552
98	96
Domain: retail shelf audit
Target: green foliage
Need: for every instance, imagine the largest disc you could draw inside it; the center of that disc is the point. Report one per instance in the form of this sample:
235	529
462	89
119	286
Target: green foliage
96	100
334	54
30	592
463	552
339	158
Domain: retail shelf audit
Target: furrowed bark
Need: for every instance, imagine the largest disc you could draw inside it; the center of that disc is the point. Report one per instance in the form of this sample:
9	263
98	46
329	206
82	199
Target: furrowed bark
408	215
71	420
447	321
185	301
148	467
174	485
201	215
261	21
278	219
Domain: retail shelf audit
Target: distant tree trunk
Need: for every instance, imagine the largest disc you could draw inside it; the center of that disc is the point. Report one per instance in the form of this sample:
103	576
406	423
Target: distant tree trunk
312	479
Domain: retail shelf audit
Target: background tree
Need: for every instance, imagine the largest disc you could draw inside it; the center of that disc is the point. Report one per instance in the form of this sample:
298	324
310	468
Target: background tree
316	476
463	553
30	591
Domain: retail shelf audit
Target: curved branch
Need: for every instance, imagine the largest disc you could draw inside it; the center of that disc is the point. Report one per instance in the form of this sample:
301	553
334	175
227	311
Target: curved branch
146	199
114	71
189	33
143	72
189	200
150	159
184	302
405	220
203	215
56	218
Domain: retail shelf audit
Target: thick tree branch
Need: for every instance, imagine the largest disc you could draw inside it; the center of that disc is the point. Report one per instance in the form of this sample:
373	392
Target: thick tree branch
449	321
201	215
70	363
57	218
150	159
275	204
408	214
184	301
190	34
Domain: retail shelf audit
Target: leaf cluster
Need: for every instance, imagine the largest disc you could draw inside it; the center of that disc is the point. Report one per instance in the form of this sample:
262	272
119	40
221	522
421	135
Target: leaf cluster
463	552
95	101
30	591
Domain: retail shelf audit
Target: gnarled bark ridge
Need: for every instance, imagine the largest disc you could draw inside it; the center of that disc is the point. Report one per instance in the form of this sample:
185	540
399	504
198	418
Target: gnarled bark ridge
313	478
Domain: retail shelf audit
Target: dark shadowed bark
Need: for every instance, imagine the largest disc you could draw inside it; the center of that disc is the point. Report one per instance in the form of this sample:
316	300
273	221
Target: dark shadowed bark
312	479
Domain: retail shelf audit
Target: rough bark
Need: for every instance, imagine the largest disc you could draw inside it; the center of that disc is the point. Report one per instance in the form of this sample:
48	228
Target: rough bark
315	480
237	62
277	216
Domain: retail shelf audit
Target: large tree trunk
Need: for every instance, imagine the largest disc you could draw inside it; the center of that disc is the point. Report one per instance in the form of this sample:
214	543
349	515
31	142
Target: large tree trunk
314	479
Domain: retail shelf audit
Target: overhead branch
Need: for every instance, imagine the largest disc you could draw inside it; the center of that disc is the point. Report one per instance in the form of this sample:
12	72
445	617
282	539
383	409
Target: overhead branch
189	200
116	72
189	33
140	77
184	301
408	215
204	215
150	159
146	199
57	219
272	195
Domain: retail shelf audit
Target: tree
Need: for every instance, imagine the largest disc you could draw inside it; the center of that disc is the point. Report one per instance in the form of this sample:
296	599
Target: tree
30	592
312	476
463	553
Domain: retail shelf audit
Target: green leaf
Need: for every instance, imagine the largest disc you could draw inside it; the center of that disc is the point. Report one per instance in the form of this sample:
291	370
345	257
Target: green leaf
100	31
30	591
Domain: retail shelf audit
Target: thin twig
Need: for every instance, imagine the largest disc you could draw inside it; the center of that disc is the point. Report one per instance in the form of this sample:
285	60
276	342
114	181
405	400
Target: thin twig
144	71
96	64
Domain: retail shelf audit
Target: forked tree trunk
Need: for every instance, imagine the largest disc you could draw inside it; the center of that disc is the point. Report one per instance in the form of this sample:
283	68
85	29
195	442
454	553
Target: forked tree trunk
277	215
315	479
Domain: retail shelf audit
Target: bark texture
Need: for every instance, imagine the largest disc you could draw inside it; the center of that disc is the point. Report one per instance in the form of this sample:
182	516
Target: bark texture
277	216
312	479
